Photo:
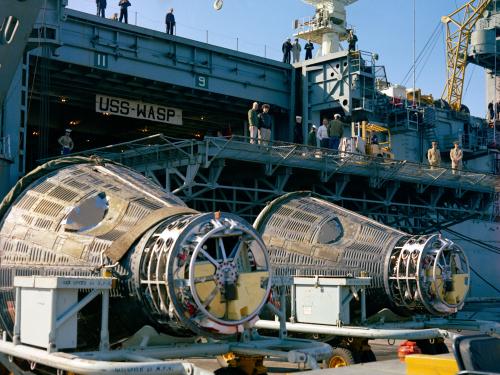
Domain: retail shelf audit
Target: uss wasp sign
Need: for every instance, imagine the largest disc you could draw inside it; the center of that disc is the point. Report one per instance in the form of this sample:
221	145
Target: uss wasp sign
138	110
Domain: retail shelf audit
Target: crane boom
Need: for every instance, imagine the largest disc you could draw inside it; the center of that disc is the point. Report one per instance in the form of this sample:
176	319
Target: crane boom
459	25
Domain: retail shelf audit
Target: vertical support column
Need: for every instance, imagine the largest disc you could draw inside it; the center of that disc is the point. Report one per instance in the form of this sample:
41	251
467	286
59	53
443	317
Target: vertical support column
2	121
13	119
17	322
306	116
293	303
363	304
168	185
44	119
52	347
292	113
104	345
283	332
23	115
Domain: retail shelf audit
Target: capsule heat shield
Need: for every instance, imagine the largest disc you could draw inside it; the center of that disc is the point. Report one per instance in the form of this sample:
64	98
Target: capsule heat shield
307	236
185	272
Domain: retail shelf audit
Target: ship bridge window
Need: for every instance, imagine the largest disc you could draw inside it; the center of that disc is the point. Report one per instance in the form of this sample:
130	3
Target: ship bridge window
330	232
87	214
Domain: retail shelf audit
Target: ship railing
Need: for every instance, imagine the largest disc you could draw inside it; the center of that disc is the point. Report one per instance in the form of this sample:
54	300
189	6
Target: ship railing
275	154
158	151
5	151
306	25
363	62
152	149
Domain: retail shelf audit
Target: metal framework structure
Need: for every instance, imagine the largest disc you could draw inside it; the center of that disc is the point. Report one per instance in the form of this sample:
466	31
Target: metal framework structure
459	25
236	176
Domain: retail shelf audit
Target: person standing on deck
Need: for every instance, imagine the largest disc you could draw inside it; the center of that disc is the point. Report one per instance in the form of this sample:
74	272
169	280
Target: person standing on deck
170	22
124	4
265	124
296	48
352	39
335	132
102	8
253	122
286	48
434	155
297	131
309	49
66	143
456	156
312	138
324	140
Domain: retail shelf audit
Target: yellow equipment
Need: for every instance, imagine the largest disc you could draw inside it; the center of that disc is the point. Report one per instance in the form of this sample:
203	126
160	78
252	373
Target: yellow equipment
381	147
459	26
421	364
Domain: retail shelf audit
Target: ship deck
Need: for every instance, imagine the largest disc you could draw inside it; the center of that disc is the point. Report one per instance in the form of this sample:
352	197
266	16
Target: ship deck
159	151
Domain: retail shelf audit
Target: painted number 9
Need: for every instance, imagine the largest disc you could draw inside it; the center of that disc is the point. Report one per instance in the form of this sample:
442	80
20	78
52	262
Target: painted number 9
202	81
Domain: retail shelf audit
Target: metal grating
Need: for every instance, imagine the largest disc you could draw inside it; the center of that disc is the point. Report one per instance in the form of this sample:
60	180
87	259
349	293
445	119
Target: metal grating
43	223
43	187
63	194
77	185
27	202
48	208
148	203
27	219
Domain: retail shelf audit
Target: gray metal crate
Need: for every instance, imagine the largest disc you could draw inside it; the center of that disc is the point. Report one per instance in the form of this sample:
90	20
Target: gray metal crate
325	300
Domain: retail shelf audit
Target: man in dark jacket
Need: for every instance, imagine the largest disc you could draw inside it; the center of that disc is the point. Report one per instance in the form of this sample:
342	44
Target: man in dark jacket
124	4
265	123
352	39
102	8
297	131
336	132
309	49
286	48
170	21
312	138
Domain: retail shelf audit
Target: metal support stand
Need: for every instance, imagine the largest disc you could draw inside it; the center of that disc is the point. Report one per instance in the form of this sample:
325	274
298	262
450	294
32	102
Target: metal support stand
41	344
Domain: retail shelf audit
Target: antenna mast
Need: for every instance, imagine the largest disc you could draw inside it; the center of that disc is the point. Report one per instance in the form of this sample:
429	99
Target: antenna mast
327	27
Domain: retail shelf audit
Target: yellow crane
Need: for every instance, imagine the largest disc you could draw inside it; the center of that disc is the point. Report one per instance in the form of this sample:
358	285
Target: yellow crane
459	25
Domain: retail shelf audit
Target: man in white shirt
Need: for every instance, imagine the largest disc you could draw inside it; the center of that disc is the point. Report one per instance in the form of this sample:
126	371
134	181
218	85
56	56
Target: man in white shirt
323	137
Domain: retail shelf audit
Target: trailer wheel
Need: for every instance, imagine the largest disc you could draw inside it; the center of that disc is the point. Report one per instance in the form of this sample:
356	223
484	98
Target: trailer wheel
229	371
368	356
341	357
436	346
441	348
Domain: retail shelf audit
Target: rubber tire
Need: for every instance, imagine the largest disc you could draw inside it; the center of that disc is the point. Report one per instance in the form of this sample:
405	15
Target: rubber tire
426	347
229	371
441	348
438	347
368	356
345	354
